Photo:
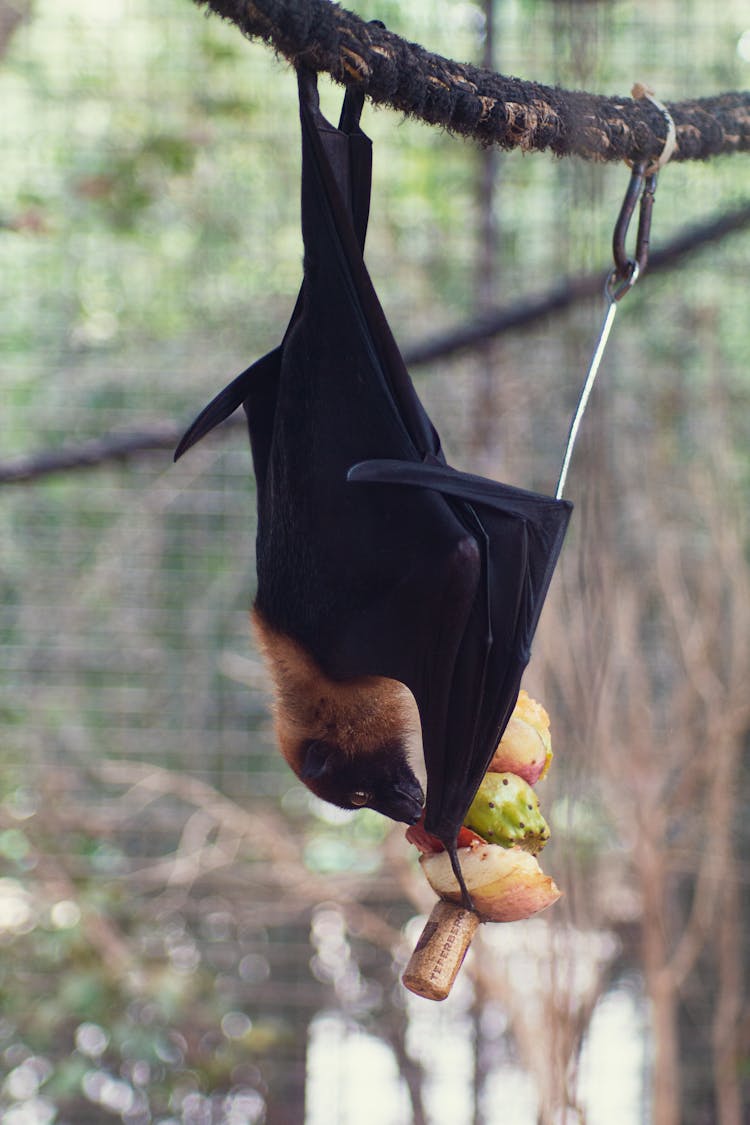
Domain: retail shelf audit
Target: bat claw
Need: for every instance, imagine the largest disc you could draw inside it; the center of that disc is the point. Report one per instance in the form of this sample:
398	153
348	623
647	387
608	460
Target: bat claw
466	900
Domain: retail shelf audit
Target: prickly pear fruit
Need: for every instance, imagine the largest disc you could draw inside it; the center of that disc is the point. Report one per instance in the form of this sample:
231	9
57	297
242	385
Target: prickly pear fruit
505	811
526	747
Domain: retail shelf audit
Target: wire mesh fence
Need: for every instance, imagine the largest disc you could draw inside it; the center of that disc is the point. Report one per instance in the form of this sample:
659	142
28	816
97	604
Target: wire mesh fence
188	936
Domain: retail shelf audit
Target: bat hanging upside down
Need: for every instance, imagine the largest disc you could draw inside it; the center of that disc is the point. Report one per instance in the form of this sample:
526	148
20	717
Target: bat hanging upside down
380	568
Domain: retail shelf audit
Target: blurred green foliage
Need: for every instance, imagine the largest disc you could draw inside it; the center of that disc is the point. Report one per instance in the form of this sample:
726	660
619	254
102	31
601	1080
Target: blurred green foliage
150	248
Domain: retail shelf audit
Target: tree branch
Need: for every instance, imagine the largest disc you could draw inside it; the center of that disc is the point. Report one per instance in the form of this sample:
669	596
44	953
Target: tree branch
478	103
520	316
89	454
570	291
277	852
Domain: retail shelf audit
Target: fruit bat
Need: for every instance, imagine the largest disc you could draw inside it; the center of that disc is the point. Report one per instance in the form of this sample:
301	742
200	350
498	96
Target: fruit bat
380	568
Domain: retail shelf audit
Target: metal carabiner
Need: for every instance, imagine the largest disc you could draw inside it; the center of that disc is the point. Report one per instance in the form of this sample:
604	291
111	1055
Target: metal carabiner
620	280
627	270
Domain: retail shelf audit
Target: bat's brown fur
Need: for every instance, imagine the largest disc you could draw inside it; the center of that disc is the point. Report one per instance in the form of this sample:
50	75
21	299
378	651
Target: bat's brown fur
359	716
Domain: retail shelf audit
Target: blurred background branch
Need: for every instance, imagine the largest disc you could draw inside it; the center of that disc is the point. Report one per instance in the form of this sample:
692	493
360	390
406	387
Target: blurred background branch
491	324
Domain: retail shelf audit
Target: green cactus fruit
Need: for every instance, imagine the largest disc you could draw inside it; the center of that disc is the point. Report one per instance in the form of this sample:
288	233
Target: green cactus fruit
505	811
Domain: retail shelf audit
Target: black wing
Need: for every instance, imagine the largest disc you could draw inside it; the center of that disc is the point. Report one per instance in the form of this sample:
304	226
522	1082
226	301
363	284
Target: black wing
350	575
426	575
348	154
520	534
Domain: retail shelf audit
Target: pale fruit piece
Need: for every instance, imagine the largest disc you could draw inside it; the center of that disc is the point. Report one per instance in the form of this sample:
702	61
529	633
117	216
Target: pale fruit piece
506	884
526	746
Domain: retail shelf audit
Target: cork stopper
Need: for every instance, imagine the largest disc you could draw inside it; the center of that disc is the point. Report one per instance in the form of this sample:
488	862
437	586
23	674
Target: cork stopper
439	953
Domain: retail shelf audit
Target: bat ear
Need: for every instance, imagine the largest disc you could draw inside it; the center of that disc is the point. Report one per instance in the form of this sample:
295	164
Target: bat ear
316	761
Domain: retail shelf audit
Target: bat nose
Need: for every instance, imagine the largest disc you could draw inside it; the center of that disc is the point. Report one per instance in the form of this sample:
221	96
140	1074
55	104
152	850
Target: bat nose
408	802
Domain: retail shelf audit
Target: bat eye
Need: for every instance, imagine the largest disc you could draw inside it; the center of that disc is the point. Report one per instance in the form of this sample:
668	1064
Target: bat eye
359	798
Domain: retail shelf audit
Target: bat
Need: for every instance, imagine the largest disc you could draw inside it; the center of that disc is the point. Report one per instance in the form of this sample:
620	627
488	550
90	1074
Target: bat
394	593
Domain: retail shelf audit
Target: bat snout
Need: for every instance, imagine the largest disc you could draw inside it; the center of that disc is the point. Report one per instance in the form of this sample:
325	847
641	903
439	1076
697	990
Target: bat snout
412	816
406	802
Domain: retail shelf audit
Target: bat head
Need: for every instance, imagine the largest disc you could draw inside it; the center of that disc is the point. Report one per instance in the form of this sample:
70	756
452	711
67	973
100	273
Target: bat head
346	740
380	779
